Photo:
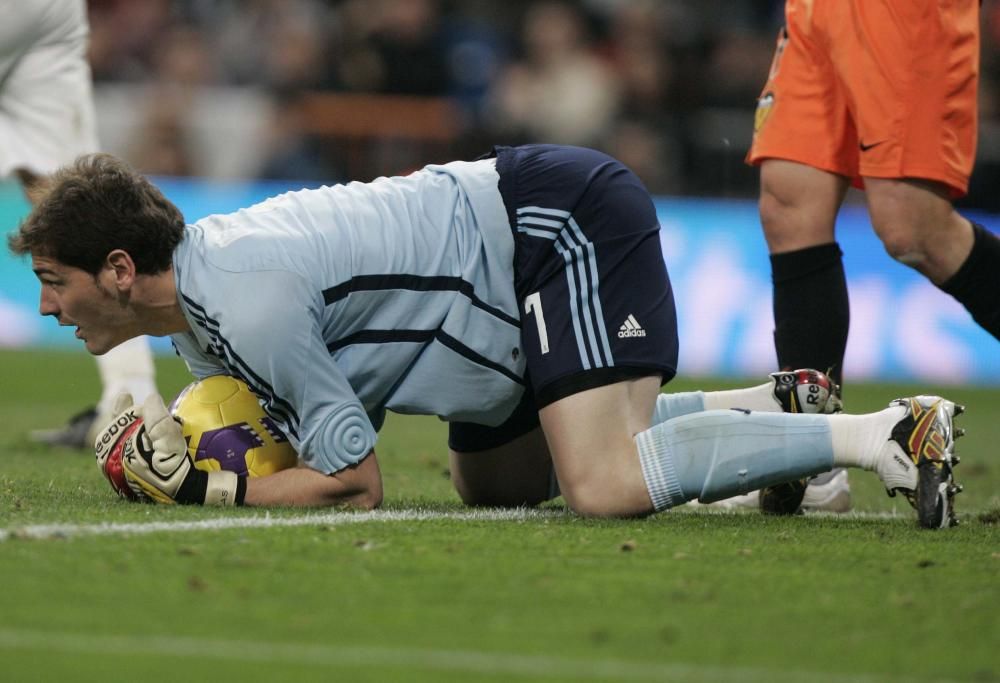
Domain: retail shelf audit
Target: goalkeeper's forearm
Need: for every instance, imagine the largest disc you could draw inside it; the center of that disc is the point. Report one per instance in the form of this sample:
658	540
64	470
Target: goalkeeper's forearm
358	486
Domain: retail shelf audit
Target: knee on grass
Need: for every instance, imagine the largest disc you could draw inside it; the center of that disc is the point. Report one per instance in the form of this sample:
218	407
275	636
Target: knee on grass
600	496
479	492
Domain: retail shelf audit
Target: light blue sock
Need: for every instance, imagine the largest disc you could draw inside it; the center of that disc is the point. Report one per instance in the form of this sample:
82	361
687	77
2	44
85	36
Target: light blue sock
669	406
717	454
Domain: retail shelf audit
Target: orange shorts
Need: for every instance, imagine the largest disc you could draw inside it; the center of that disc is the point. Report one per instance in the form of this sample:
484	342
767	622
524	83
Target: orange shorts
879	88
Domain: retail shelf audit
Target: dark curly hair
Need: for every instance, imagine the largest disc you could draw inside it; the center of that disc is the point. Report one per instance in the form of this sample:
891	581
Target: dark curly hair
93	206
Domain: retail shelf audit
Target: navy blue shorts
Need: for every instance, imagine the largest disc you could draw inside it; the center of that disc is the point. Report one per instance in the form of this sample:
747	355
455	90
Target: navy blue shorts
597	305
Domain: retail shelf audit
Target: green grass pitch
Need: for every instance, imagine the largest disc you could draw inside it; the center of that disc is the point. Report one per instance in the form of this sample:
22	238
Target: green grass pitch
427	590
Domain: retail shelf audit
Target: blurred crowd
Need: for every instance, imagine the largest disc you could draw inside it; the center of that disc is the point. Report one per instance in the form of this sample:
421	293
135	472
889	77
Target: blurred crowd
668	86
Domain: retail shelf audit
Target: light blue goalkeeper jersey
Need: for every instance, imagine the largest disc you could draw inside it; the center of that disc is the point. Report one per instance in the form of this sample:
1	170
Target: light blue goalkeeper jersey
339	303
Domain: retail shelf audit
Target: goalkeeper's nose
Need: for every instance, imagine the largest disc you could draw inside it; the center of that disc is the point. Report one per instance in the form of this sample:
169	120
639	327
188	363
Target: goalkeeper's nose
47	304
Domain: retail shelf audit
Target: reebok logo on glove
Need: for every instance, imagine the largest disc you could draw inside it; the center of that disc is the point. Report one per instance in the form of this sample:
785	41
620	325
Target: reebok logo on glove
111	433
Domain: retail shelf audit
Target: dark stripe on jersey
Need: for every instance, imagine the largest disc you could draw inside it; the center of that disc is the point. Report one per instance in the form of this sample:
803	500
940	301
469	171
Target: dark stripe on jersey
283	410
196	311
466	352
382	337
415	283
422	337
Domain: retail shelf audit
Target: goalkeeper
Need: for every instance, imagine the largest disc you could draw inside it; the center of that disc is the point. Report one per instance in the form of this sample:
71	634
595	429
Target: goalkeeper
523	298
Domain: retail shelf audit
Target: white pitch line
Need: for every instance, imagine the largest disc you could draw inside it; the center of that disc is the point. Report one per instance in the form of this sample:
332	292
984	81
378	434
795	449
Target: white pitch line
65	530
265	521
712	509
469	662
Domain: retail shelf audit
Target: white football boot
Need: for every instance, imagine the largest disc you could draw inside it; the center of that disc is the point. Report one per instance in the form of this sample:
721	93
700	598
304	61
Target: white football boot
919	456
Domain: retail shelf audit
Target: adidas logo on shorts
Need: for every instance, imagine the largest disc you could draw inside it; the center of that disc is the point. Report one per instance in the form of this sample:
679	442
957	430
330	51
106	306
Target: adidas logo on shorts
631	328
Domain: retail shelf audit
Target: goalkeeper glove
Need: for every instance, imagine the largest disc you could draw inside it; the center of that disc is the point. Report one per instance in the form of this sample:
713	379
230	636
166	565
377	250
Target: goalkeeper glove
109	442
158	467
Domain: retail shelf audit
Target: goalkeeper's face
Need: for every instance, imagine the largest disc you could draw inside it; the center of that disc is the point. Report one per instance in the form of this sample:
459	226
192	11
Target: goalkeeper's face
91	303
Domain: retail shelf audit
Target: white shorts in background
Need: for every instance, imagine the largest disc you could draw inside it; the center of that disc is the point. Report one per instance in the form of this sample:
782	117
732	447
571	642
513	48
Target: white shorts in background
46	99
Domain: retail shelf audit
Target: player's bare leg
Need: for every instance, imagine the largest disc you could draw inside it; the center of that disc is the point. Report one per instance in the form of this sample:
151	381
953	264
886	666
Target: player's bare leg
918	225
517	473
591	436
798	204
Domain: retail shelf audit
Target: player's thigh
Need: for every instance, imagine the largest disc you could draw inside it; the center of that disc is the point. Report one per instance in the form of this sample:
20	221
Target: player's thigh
591	437
503	465
599	330
516	473
918	225
798	204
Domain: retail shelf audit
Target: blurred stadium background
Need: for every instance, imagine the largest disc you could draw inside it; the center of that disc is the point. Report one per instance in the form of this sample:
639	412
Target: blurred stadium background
229	101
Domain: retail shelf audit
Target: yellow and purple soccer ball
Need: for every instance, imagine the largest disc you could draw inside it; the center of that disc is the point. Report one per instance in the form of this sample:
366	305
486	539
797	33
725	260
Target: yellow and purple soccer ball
226	429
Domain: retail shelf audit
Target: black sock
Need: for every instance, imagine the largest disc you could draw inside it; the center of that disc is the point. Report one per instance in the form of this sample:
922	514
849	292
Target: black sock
811	309
976	285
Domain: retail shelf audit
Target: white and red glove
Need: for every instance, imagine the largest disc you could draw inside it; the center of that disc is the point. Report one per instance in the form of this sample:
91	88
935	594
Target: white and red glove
154	462
109	442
